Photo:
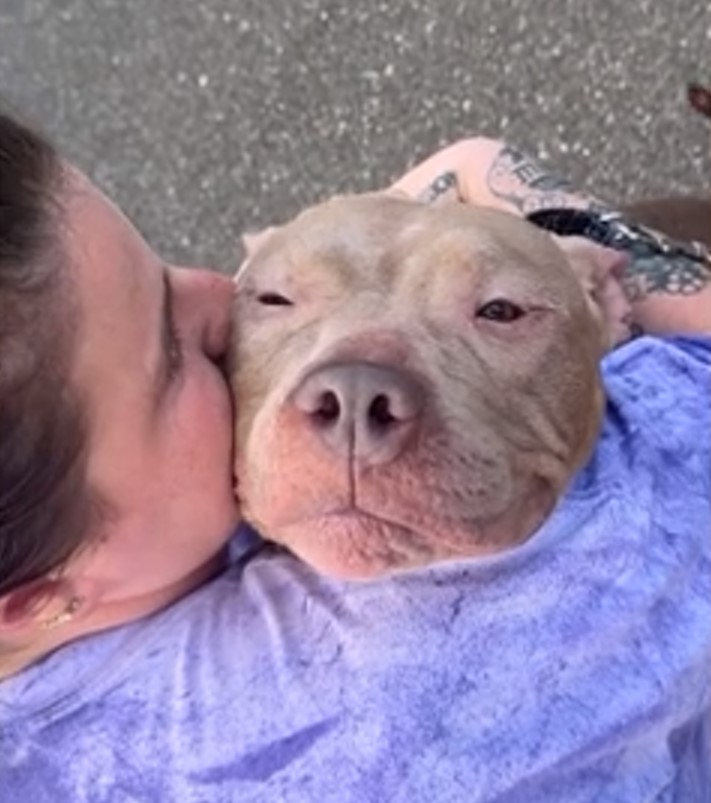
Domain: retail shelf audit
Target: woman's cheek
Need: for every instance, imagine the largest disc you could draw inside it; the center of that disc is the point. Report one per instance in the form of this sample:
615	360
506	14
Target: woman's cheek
206	415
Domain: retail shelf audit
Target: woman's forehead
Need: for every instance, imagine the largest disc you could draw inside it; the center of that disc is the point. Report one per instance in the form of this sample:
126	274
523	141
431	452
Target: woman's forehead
117	283
104	247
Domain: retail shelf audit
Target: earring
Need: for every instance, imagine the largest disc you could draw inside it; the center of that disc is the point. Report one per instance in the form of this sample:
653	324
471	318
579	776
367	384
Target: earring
65	616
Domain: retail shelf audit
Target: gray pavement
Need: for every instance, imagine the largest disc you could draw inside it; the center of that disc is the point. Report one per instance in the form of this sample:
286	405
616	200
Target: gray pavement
206	117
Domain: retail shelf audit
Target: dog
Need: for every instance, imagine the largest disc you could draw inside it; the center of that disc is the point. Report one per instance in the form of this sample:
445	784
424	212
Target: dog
415	383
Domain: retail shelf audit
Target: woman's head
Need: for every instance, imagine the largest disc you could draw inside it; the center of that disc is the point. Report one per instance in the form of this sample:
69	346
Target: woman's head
115	420
44	507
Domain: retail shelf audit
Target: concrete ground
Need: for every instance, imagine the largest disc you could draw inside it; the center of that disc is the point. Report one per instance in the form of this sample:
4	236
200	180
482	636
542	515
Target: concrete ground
206	117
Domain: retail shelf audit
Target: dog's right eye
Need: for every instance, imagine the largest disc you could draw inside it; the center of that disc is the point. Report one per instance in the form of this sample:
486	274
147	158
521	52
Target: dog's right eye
274	300
501	311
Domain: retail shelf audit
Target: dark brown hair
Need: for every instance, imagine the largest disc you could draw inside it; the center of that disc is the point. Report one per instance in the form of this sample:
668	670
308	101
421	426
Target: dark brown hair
44	505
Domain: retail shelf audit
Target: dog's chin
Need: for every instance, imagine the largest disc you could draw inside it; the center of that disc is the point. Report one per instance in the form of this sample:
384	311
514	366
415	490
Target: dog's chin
356	545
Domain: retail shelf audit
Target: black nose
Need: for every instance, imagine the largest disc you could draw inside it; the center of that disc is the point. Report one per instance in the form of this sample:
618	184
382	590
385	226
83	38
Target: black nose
360	409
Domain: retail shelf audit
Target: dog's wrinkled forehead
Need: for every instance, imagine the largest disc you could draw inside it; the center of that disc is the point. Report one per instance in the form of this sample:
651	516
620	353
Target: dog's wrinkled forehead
374	235
358	231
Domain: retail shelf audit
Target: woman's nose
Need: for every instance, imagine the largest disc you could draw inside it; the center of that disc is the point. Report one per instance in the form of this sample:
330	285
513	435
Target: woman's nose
203	308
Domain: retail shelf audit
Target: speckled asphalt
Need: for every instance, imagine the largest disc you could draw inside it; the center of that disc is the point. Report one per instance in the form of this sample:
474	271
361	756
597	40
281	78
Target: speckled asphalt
207	117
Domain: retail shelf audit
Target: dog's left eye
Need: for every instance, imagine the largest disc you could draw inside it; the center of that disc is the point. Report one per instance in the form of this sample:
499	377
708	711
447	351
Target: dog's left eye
274	300
501	311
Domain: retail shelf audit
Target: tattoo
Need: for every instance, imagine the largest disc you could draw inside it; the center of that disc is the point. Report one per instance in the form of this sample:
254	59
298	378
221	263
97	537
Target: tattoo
656	263
675	275
444	184
527	185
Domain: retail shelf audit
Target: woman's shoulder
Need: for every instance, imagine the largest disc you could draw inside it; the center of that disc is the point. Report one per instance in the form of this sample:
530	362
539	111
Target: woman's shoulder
137	654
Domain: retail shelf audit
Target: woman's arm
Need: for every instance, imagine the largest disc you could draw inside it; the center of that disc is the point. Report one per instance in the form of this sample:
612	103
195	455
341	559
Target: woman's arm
668	295
492	173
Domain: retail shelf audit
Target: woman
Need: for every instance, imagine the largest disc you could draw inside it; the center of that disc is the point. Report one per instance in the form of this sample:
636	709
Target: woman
139	663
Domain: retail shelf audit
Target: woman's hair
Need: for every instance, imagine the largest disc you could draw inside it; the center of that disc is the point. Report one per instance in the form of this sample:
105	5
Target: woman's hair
44	502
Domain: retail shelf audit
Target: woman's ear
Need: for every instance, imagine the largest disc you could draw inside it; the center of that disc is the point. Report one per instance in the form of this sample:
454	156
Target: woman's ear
43	604
601	271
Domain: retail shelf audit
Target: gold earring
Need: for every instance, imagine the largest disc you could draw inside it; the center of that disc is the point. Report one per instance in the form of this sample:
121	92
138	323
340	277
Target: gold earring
65	616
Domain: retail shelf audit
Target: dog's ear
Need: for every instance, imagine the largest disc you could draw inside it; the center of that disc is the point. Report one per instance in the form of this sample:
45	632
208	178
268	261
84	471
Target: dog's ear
249	244
252	241
600	271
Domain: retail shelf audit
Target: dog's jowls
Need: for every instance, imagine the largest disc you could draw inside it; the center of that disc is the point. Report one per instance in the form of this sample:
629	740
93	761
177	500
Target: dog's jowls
414	383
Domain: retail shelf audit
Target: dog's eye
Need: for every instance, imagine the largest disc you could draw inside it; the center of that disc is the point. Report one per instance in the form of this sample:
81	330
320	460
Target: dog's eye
274	300
501	311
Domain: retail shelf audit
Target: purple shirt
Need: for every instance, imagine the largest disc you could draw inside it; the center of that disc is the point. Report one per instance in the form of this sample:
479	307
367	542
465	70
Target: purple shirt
574	668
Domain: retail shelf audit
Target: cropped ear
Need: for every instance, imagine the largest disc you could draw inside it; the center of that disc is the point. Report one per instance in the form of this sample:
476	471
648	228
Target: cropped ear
600	271
252	241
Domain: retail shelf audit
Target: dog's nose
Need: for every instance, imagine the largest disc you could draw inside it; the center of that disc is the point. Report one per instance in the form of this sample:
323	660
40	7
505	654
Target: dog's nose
361	410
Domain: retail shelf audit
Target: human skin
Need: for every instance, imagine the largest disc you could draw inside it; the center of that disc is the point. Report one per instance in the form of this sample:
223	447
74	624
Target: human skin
159	411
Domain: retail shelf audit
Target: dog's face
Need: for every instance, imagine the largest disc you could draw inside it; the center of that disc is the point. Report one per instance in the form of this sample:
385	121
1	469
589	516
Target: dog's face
413	383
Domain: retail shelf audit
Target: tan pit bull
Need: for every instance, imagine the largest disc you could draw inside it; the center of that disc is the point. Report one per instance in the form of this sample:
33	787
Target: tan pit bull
415	383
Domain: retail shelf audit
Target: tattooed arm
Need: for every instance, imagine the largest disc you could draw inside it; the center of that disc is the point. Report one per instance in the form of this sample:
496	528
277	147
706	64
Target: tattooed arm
492	173
671	295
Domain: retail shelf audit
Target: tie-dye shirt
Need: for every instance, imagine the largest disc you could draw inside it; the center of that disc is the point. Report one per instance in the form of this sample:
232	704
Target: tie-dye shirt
575	668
